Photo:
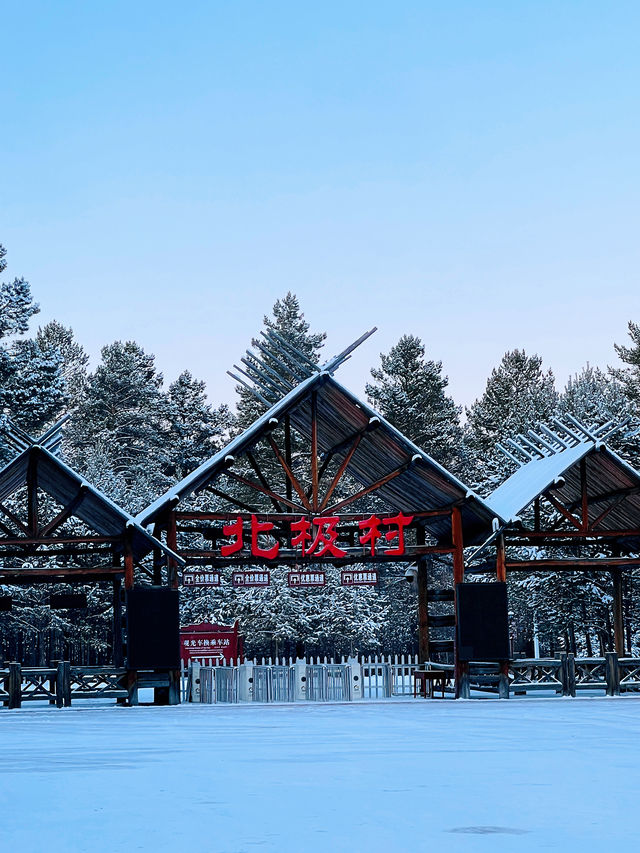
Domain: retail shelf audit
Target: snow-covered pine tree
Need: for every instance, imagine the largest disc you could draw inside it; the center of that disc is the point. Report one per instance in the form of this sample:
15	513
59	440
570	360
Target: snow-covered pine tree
196	429
289	322
410	391
31	385
518	394
56	338
123	418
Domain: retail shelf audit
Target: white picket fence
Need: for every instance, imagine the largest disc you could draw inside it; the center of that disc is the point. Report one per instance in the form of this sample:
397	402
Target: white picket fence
284	679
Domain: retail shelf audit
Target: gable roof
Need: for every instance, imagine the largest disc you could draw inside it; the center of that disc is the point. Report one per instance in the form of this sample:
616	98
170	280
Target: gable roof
423	486
608	477
63	484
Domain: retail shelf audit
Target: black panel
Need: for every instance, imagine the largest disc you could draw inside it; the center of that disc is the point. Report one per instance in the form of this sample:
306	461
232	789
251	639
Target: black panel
68	601
483	621
6	602
153	627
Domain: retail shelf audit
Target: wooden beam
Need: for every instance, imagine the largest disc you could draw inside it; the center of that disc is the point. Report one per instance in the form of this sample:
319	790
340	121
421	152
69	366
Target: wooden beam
501	560
341	470
570	564
128	561
258	488
262	478
67	540
287	470
618	612
584	495
232	500
378	484
288	455
172	542
32	493
64	515
14	518
563	511
314	451
605	512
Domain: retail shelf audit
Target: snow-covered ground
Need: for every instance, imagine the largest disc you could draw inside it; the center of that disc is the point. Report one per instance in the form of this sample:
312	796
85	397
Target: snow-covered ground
539	774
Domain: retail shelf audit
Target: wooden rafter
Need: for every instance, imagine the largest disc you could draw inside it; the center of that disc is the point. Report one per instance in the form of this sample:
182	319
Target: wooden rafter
290	475
12	517
63	515
259	488
314	451
368	489
265	483
232	500
563	510
605	512
339	473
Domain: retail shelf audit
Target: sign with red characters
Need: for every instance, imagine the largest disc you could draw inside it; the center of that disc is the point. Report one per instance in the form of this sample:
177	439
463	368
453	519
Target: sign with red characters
306	579
201	579
317	537
250	579
359	578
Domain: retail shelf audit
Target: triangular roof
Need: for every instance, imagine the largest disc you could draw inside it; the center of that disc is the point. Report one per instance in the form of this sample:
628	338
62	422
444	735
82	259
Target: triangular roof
424	485
609	478
92	507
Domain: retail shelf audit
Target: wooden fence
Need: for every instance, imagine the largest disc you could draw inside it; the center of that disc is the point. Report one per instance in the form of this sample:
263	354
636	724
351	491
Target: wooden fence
60	684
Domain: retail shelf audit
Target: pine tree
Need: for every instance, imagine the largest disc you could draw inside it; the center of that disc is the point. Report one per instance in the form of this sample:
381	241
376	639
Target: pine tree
123	417
630	376
518	395
31	386
54	337
289	322
196	429
410	391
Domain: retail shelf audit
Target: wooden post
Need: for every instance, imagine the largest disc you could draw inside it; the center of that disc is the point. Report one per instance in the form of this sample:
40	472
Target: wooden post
128	561
132	687
172	542
461	669
584	495
63	684
15	685
503	681
32	493
314	451
618	612
174	687
288	456
423	609
612	671
118	655
501	560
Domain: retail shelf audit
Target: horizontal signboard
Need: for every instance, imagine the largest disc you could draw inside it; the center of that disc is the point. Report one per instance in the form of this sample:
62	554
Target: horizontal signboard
365	578
305	579
201	579
250	579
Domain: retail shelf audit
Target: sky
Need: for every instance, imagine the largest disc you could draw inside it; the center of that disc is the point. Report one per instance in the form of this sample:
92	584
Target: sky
463	171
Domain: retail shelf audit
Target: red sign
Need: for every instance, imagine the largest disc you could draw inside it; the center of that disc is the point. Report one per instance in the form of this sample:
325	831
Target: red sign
315	537
305	579
250	579
367	578
201	579
209	643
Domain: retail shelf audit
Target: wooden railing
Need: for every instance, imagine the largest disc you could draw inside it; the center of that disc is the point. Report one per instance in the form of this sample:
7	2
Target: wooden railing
61	684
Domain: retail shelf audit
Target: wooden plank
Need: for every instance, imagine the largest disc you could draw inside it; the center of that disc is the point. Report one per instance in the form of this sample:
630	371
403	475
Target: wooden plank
259	488
289	473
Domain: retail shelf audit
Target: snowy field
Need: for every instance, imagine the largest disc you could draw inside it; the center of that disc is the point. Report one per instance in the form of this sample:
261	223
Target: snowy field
398	775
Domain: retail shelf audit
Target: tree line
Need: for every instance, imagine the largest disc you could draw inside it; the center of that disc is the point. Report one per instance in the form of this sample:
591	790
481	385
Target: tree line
134	436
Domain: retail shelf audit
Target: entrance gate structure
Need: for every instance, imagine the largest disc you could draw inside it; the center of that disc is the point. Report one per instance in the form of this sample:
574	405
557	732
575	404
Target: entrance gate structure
321	477
574	504
56	528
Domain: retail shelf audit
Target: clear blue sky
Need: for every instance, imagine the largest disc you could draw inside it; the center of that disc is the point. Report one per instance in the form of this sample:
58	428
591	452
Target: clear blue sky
466	171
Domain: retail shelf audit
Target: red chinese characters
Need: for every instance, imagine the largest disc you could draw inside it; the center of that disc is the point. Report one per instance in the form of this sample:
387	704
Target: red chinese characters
371	533
236	529
324	540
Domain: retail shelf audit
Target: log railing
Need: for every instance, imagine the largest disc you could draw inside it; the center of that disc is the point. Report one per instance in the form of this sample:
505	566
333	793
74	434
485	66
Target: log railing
60	684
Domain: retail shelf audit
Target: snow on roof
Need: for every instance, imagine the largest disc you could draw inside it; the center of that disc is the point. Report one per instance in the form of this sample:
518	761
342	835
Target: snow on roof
534	478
